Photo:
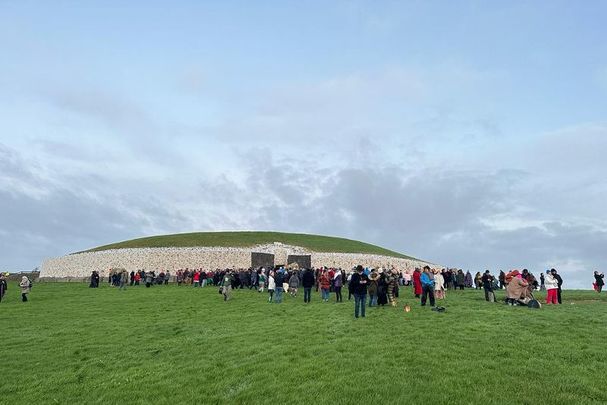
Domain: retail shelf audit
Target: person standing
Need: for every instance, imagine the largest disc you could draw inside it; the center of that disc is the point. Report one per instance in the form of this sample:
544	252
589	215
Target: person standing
293	284
279	279
559	282
261	280
478	281
359	288
487	281
439	285
417	284
502	279
3	286
26	286
460	279
427	280
598	281
271	286
124	279
542	282
337	284
226	285
552	286
372	288
325	285
307	281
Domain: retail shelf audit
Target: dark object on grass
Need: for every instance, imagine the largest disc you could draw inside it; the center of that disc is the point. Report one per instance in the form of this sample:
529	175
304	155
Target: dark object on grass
439	309
534	304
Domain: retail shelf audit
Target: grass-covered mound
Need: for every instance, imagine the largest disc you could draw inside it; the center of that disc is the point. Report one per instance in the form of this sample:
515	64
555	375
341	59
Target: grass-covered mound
316	243
171	345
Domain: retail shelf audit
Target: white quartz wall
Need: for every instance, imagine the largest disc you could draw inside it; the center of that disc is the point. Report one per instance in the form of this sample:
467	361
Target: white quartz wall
209	258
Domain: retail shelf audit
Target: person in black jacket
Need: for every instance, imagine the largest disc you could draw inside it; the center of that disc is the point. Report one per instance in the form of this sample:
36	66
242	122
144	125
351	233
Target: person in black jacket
307	282
359	284
598	280
488	286
3	286
560	283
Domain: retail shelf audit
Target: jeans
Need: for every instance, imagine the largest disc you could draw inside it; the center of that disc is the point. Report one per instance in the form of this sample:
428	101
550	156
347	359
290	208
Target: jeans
278	296
359	304
325	293
372	300
307	294
428	290
24	297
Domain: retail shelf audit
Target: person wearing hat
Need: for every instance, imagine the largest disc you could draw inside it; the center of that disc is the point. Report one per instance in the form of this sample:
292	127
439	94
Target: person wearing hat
372	289
359	288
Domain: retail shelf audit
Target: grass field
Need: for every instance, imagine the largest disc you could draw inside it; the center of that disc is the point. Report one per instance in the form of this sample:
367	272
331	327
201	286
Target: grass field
317	243
70	344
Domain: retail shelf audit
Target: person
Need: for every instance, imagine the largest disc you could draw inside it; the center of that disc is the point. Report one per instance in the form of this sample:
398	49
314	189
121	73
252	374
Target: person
417	284
372	288
382	288
468	282
427	280
279	279
271	286
516	288
26	286
598	281
542	282
487	280
392	280
359	288
261	279
337	284
167	276
559	281
439	285
478	281
325	285
196	279
124	278
552	286
226	285
308	281
137	278
460	279
502	279
3	286
293	284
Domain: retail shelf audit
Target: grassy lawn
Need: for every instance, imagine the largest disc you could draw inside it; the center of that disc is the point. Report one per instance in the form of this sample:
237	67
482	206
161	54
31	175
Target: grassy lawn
315	243
71	344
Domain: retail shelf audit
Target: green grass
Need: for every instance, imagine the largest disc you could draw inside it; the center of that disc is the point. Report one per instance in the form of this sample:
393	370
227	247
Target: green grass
168	345
315	243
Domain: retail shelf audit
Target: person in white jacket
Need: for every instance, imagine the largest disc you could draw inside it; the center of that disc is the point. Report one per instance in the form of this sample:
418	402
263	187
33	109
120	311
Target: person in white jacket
271	286
552	286
439	285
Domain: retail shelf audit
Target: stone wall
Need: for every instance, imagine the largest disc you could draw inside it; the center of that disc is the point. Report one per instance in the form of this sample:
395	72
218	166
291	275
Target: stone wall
209	258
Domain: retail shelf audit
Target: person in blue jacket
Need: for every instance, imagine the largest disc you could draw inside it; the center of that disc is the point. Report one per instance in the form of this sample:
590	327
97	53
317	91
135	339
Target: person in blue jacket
427	280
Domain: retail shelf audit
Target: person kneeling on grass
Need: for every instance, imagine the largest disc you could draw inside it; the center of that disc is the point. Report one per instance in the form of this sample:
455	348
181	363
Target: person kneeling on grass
516	289
427	280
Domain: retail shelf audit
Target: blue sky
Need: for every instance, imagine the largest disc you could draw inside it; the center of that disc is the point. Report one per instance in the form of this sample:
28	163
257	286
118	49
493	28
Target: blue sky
468	133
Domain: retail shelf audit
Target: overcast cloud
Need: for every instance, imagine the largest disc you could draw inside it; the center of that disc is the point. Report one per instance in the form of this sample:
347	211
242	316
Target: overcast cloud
435	130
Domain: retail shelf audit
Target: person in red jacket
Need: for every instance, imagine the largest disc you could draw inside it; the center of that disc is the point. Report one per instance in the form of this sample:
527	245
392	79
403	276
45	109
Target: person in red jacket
325	285
417	283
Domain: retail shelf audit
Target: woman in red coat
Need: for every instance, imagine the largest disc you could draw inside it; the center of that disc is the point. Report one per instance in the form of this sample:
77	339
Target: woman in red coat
417	283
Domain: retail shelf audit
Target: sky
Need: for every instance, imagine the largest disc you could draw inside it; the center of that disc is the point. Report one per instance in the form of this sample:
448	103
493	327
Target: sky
471	134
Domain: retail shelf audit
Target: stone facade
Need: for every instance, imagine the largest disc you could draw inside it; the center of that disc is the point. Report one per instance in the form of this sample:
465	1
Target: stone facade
209	258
